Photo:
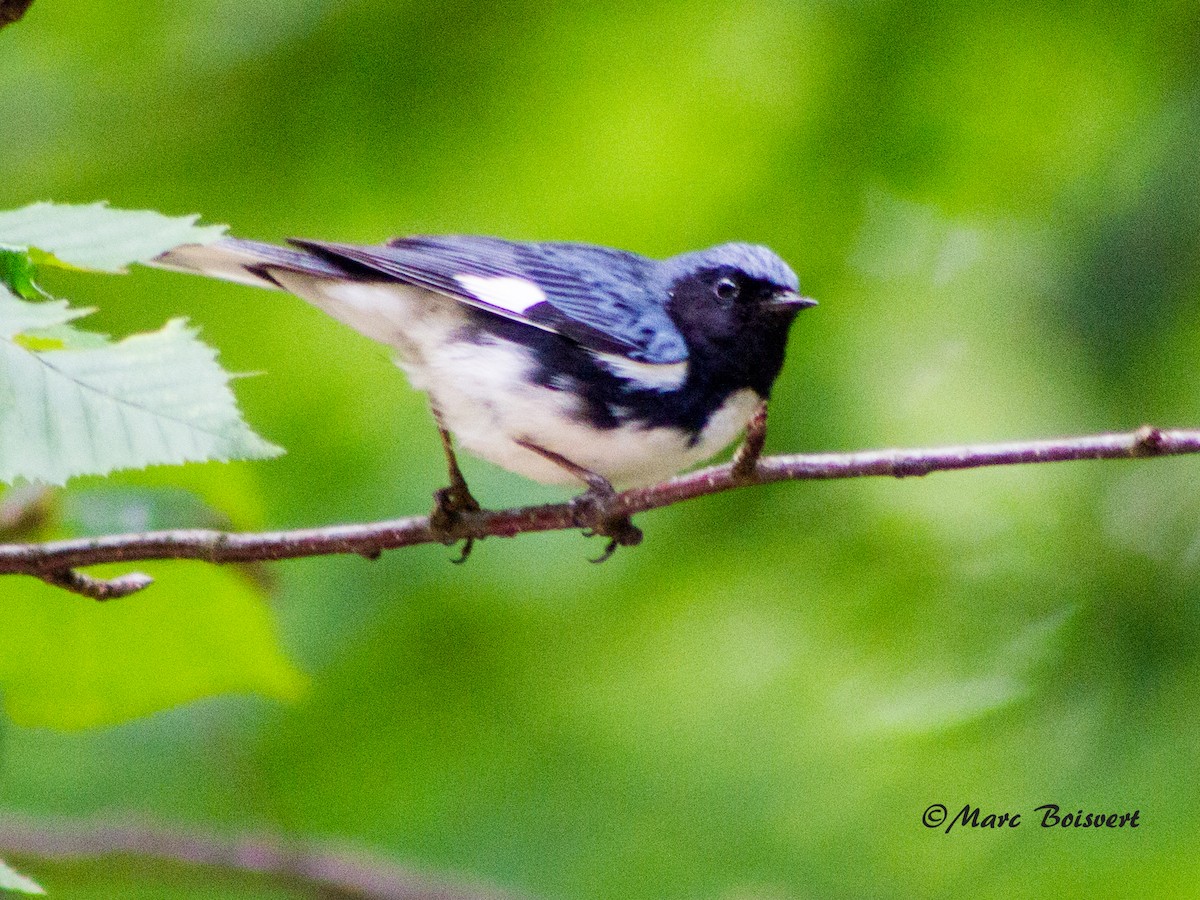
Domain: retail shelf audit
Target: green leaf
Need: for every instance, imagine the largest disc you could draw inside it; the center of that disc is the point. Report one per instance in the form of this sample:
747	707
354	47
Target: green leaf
90	407
67	663
17	316
99	237
16	270
11	880
71	402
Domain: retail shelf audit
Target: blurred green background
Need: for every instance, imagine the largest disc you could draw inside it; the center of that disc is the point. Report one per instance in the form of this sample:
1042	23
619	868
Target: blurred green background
997	206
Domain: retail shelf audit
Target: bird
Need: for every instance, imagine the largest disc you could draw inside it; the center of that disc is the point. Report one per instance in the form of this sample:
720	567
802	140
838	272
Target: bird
567	363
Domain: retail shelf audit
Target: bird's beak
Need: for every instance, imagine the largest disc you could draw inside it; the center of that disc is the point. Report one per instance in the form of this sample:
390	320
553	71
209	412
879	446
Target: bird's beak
788	301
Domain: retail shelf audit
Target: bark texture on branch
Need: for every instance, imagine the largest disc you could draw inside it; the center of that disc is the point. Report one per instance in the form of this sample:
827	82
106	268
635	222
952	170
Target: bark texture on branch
56	561
334	872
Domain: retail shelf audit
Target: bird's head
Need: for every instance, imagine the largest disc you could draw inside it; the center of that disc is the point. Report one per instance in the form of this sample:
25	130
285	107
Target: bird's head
734	304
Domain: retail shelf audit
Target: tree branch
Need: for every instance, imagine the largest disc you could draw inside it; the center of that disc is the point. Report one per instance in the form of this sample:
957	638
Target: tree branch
337	872
55	561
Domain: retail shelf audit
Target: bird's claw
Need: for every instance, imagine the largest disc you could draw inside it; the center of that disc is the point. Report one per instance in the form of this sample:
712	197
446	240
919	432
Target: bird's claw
592	511
448	505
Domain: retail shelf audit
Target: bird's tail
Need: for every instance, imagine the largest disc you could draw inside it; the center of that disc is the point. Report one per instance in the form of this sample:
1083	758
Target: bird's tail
244	262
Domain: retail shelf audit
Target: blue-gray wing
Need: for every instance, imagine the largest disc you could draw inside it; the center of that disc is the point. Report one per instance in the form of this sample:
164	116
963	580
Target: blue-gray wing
603	299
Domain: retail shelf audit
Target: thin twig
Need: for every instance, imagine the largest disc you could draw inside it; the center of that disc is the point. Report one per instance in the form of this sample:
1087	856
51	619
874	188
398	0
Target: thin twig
49	560
337	872
97	588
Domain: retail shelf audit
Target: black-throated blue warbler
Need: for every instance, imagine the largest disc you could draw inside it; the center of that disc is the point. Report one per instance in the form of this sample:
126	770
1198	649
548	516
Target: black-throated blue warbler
565	363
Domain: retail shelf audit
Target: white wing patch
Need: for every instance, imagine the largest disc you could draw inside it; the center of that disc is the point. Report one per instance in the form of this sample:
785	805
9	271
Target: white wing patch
513	294
648	376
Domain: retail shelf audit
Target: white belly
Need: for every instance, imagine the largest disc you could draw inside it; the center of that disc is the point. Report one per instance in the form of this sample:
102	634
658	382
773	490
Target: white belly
482	394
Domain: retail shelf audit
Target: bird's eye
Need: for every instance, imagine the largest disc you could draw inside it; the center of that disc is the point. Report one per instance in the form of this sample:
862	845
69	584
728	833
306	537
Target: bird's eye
726	289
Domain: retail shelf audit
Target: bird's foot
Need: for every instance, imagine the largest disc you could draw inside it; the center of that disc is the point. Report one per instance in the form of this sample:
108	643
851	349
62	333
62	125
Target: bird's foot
593	509
449	503
593	512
